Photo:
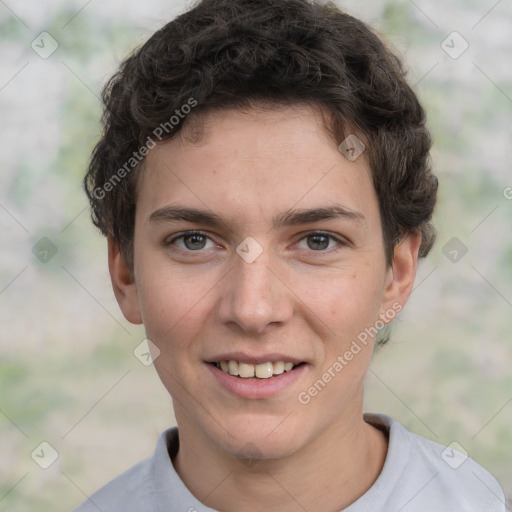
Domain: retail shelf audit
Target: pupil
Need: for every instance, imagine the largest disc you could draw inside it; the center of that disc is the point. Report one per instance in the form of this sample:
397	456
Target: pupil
195	243
318	244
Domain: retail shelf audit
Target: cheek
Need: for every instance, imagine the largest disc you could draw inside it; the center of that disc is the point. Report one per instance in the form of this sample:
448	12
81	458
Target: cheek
174	311
348	303
173	305
353	312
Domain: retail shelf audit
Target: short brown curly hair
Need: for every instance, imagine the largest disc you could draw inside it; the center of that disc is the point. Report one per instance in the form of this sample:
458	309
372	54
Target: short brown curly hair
236	53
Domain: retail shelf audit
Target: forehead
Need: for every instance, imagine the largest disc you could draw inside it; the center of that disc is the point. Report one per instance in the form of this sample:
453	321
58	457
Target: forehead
251	165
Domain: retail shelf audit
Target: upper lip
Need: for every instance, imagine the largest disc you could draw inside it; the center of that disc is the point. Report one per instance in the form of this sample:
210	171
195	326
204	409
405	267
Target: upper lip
243	357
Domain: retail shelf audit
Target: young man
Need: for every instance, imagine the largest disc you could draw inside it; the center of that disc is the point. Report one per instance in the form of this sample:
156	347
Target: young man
265	187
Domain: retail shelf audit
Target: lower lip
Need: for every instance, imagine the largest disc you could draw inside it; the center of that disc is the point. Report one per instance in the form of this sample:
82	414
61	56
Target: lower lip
255	388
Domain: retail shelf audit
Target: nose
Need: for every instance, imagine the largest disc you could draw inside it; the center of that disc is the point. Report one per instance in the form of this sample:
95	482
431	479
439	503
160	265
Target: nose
255	295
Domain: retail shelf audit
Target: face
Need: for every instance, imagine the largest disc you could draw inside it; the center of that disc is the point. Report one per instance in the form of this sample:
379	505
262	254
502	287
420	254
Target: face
260	244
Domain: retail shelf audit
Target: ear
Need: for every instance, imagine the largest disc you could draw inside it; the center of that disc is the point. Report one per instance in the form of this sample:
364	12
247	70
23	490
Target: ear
401	274
123	283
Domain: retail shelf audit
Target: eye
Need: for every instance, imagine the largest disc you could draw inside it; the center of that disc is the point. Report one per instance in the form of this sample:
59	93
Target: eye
191	241
319	241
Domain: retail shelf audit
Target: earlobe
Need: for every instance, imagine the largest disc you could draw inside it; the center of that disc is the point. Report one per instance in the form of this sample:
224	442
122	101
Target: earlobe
123	283
402	273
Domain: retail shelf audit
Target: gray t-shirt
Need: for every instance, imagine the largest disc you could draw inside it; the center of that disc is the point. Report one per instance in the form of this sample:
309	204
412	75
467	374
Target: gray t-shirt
419	475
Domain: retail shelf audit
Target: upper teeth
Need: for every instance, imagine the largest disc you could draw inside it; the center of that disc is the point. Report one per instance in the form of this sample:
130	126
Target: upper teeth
262	371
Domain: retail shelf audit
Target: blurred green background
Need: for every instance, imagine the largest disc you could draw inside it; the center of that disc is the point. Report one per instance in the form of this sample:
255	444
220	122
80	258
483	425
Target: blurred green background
68	375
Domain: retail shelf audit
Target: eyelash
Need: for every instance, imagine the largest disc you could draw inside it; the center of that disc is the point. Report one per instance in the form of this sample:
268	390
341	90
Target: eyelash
340	242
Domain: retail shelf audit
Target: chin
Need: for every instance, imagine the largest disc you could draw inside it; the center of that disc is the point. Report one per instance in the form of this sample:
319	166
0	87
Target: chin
253	438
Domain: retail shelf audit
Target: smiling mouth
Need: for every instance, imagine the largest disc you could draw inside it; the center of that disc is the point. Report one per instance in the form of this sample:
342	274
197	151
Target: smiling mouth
258	371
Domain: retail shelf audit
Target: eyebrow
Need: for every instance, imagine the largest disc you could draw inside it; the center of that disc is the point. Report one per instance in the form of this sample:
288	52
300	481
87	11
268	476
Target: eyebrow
292	217
181	213
310	216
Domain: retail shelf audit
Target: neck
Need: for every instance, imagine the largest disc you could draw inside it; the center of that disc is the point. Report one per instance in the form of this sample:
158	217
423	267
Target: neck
329	473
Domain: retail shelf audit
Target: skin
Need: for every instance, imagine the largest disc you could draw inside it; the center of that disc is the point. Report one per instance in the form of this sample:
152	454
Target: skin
296	298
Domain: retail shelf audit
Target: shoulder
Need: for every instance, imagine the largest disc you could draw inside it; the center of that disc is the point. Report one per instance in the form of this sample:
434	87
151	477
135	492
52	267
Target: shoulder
444	477
123	493
134	490
458	475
